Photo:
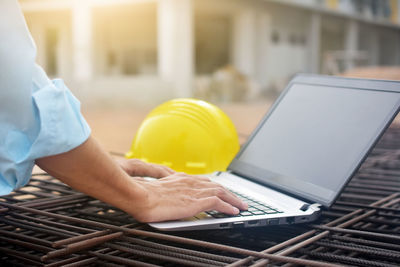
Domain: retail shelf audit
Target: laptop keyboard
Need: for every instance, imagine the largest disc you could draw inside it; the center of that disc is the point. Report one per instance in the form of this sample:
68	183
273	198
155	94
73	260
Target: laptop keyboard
256	207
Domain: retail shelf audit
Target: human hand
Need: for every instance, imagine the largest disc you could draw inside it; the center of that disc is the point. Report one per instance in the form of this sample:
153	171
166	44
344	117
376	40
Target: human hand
136	167
180	196
89	169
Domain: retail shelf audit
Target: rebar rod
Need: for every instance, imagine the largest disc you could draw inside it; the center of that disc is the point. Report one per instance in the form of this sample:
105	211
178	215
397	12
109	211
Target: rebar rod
79	246
367	242
120	260
180	250
359	233
176	258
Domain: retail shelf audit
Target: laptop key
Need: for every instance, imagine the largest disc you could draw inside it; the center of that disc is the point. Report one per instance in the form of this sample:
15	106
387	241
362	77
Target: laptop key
251	209
211	212
203	215
221	215
262	208
258	212
271	212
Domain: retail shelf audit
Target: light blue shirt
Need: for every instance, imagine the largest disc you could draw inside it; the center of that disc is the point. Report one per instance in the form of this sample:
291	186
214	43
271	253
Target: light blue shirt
38	117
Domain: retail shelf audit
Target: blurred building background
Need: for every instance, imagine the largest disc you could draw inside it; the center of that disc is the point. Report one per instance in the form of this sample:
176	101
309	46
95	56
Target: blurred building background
146	51
121	58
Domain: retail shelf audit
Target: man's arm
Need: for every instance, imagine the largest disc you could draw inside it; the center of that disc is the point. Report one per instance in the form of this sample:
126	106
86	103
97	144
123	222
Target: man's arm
89	169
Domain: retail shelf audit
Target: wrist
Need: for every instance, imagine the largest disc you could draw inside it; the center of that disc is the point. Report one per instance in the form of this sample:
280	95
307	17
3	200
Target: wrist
136	198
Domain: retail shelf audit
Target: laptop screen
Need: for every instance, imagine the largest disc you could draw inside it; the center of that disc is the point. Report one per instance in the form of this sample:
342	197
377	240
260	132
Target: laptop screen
314	139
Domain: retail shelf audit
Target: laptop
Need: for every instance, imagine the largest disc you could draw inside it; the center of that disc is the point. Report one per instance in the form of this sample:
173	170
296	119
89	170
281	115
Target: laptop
303	152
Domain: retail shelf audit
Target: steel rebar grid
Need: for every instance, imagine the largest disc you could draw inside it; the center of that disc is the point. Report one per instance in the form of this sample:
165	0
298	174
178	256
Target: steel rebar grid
113	242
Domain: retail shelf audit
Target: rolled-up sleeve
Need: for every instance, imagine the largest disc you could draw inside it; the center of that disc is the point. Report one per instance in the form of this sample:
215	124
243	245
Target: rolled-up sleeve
57	126
57	111
38	117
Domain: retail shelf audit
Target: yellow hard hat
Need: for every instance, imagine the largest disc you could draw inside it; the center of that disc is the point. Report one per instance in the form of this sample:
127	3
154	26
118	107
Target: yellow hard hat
187	135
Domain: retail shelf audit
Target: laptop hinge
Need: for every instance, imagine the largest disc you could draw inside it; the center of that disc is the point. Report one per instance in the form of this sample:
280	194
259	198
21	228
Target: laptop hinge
315	207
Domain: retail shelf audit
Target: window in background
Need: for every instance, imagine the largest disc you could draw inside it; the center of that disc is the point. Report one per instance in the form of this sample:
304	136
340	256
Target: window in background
212	42
275	38
51	31
52	37
126	39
